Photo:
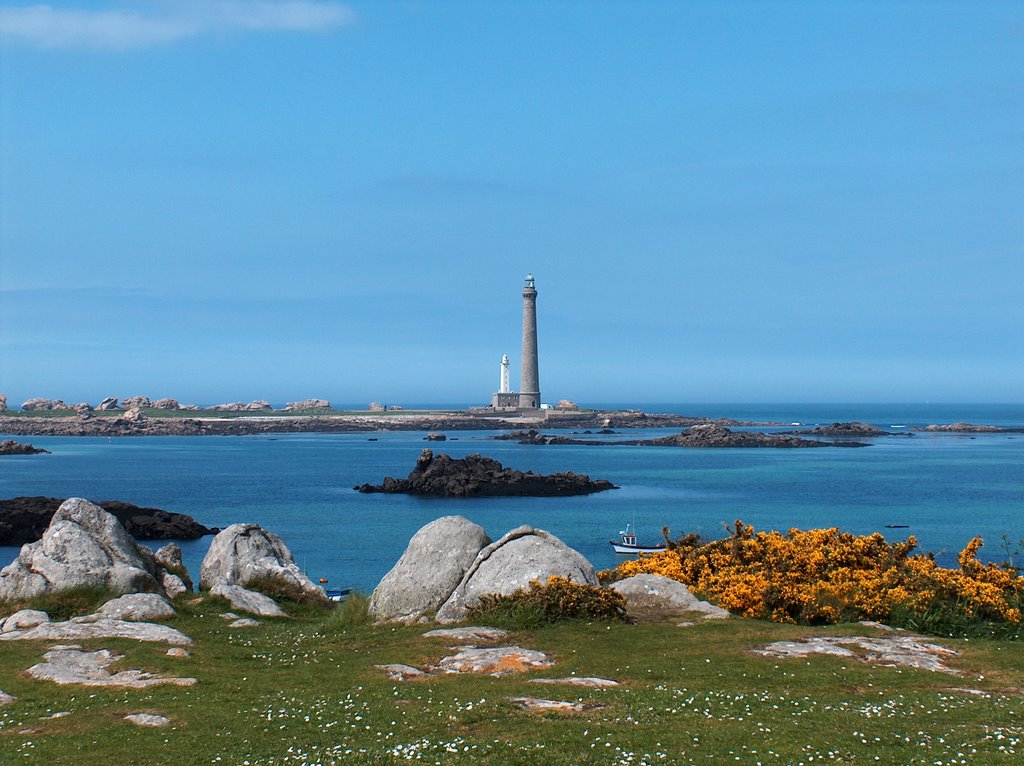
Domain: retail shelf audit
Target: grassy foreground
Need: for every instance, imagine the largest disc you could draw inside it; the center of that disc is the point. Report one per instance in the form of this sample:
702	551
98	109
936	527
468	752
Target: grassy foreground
304	691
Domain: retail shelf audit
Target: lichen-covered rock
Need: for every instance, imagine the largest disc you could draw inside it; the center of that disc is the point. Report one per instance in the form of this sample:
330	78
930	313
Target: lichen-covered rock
248	600
92	626
432	565
137	607
72	665
654	591
246	552
523	555
83	546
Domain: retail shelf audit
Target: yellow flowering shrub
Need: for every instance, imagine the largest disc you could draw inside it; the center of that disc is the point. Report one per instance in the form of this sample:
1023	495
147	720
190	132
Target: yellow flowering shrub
828	576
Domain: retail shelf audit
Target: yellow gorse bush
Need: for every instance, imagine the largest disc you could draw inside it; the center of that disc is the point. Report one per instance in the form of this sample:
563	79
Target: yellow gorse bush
827	576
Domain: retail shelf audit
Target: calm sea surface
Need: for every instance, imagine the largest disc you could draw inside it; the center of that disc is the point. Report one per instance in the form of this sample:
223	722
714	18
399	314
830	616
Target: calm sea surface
945	487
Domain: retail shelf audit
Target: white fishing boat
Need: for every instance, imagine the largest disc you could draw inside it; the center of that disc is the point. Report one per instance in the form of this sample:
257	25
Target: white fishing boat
627	544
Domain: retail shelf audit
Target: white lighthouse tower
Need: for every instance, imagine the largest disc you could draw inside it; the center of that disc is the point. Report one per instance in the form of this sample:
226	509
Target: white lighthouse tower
505	386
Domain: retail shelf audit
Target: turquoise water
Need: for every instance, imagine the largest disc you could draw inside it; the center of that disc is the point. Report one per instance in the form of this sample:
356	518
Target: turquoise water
946	487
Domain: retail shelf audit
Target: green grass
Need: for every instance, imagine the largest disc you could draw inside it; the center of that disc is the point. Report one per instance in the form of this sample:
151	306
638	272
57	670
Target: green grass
305	691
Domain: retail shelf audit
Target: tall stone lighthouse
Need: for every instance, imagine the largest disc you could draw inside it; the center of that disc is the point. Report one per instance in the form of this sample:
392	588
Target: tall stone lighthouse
529	385
528	396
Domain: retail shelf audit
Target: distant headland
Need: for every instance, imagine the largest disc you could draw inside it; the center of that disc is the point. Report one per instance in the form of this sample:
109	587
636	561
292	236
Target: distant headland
141	416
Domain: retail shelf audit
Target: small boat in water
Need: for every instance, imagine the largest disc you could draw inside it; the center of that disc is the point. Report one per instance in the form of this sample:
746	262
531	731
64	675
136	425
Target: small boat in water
627	544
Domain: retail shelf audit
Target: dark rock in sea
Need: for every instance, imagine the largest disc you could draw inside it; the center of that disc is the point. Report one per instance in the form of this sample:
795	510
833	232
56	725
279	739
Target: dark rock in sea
433	436
24	519
854	428
11	447
720	436
704	435
479	476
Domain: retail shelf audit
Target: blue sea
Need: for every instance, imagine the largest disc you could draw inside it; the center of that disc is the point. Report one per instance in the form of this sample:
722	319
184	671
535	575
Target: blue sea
946	488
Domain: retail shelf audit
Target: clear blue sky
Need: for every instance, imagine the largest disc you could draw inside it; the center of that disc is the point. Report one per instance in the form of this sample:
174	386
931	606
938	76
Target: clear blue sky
723	201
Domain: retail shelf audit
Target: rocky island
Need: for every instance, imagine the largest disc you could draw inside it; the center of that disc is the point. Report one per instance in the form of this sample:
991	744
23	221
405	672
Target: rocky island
853	428
11	447
480	476
24	519
703	435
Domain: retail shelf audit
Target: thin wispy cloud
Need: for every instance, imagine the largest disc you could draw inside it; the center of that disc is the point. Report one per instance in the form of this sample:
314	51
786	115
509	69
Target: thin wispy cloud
128	26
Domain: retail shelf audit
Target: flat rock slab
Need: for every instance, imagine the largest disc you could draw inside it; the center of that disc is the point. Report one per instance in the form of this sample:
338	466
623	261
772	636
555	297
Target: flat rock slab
177	651
247	600
138	607
244	622
588	682
660	593
887	651
399	672
495	661
468	635
536	705
91	626
147	720
5	698
26	618
71	665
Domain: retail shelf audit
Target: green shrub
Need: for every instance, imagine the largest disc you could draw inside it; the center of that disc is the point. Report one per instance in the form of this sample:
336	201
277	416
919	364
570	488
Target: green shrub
285	590
559	599
64	604
352	611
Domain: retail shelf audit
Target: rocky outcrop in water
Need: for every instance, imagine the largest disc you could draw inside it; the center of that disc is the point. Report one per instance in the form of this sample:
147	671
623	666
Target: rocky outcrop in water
967	428
853	428
11	447
83	546
703	435
720	436
479	476
432	565
513	562
244	553
24	519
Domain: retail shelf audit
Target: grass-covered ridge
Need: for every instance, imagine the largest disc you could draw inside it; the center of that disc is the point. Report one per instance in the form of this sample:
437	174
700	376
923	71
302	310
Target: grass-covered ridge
304	690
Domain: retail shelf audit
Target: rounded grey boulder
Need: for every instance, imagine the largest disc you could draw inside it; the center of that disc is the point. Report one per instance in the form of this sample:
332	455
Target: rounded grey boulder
523	555
139	607
246	552
664	593
432	565
84	545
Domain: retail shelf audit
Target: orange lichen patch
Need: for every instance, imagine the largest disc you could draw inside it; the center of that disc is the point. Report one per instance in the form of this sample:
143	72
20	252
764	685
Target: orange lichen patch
496	661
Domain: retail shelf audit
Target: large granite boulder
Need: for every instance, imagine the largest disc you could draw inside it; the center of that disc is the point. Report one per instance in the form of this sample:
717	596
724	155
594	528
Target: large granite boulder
433	564
169	557
83	546
308	404
138	607
659	594
3	402
110	403
166	404
522	555
24	519
136	401
480	476
37	404
244	553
